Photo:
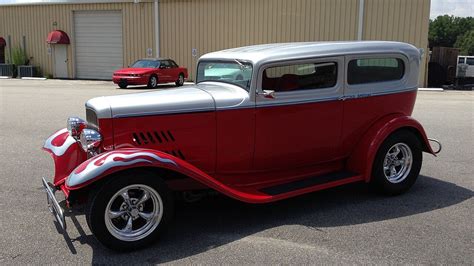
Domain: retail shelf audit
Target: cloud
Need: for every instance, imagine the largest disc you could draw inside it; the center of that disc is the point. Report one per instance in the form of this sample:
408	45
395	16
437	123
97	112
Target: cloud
459	8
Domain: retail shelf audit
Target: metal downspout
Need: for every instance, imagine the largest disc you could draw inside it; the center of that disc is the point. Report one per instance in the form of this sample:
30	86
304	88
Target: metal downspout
157	28
360	29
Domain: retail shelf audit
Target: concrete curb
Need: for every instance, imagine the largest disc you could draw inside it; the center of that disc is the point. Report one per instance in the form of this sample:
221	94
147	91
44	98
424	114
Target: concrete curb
33	78
430	89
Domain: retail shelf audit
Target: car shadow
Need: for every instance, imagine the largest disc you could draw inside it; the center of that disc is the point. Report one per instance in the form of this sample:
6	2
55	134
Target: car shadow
214	222
160	86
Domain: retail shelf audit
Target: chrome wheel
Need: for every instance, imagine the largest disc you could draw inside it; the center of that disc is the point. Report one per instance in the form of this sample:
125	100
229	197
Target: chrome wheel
181	80
397	163
153	82
133	212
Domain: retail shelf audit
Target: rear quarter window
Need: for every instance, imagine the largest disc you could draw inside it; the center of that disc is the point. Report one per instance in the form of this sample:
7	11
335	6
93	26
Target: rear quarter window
369	70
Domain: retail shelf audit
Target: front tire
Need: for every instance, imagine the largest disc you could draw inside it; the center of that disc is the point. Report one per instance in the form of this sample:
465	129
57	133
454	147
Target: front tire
130	211
123	84
397	163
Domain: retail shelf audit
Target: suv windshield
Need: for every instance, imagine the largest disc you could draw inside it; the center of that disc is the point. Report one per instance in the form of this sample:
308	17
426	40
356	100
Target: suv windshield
146	64
234	72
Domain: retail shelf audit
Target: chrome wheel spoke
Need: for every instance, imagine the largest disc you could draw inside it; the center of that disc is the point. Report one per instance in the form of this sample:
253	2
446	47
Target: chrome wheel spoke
395	152
128	227
145	197
125	197
147	216
115	214
393	171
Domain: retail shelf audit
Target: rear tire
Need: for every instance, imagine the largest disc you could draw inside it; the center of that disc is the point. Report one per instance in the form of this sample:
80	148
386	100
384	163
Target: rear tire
127	224
397	163
153	82
180	80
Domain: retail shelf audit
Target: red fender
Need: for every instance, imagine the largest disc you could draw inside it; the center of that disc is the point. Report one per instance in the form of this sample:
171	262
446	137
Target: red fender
111	162
363	155
66	153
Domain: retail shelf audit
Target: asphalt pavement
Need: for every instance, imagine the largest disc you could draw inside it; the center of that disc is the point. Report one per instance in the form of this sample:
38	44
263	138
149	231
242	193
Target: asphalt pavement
432	223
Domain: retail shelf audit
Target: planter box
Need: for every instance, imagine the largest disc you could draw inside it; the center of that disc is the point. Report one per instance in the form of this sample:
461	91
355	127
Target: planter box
6	70
26	71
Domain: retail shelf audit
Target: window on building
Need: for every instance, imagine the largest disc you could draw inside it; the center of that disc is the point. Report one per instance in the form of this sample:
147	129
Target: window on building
300	77
374	70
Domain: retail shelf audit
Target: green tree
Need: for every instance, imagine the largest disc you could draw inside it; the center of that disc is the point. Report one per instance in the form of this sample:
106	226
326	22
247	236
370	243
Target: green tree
445	30
466	43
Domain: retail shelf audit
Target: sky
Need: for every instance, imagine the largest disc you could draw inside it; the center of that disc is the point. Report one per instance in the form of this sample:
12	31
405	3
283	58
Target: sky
459	8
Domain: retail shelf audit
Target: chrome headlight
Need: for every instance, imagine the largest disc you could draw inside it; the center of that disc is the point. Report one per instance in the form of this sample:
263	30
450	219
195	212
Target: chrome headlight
75	125
90	140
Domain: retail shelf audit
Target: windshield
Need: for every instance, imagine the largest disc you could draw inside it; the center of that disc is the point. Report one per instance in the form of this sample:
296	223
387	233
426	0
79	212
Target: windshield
146	64
234	72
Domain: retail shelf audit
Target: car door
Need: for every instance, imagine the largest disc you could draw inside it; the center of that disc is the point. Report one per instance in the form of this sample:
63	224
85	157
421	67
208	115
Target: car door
174	70
165	75
300	123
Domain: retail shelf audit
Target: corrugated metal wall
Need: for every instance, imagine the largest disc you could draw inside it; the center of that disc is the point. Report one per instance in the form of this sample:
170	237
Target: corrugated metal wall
210	25
399	20
36	21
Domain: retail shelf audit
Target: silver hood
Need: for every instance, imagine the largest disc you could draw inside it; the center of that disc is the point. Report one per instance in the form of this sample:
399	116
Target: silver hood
204	97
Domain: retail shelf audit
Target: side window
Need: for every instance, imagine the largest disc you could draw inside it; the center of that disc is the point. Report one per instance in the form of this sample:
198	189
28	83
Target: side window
374	70
300	77
470	61
173	64
461	60
165	64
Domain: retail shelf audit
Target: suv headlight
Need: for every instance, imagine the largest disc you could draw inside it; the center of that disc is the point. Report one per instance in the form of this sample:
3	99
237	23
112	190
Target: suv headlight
75	125
90	140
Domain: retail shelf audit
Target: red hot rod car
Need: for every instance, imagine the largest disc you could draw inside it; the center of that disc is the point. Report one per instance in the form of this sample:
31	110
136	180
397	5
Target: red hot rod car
262	123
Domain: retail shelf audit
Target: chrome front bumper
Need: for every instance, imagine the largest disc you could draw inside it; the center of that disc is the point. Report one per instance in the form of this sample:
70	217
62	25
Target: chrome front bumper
53	204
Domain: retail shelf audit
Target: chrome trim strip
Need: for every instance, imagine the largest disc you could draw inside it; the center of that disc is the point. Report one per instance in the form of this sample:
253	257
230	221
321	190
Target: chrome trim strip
158	113
269	104
53	204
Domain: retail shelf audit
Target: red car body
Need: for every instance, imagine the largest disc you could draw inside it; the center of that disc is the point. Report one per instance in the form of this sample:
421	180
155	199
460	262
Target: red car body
142	72
255	145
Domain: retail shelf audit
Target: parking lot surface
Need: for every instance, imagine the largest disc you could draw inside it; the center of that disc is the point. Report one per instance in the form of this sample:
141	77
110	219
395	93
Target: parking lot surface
432	223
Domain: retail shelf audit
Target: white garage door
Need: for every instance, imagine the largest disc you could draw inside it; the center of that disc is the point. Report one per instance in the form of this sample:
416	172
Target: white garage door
98	43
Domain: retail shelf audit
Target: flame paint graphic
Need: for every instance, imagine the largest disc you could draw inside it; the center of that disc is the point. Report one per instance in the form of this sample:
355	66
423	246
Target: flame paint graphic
94	168
56	138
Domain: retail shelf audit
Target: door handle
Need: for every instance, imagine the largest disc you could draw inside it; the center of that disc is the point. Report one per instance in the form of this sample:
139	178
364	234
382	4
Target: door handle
270	94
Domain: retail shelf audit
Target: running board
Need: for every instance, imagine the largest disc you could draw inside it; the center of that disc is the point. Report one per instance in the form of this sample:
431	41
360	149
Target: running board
307	183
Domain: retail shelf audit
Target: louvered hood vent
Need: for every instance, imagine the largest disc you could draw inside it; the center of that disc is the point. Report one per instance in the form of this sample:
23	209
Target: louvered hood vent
156	138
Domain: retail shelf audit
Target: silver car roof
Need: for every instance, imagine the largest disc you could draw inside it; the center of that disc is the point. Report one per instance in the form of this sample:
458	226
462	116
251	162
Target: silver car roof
260	54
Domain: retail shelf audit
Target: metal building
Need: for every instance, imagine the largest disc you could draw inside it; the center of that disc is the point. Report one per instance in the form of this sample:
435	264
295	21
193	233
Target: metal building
106	35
